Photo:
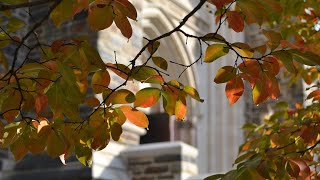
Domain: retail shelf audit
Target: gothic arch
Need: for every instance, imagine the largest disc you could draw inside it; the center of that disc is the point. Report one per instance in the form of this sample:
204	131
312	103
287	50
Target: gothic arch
155	22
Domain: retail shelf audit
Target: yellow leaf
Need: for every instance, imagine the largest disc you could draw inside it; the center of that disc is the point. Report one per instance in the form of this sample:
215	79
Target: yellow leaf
100	18
100	81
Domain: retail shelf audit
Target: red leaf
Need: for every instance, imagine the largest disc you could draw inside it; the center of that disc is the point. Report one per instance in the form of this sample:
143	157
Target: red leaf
235	20
41	103
304	168
251	67
234	89
220	3
271	64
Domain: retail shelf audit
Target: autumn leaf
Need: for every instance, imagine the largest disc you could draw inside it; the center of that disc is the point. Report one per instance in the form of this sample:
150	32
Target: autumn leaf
100	81
122	96
147	97
214	52
39	123
192	92
135	116
235	20
260	92
41	103
181	107
234	89
220	3
122	23
160	62
92	102
100	18
19	149
116	131
225	74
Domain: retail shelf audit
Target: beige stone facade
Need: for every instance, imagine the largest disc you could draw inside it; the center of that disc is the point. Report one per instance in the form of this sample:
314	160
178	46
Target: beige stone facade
206	143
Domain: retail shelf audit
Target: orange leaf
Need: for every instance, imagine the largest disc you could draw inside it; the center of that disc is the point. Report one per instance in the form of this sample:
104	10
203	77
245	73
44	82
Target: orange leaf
41	103
235	20
234	89
92	101
147	97
135	116
181	107
122	23
272	85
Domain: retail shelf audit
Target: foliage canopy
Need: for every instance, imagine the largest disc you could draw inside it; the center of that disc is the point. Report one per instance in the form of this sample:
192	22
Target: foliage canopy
40	98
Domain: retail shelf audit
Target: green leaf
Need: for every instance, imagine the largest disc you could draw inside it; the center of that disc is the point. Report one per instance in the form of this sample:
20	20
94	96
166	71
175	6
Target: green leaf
147	97
214	52
160	62
214	177
55	144
55	99
169	102
253	11
142	73
13	2
153	47
14	25
213	37
84	154
11	133
4	40
62	13
19	149
307	58
93	55
244	157
286	59
193	93
225	74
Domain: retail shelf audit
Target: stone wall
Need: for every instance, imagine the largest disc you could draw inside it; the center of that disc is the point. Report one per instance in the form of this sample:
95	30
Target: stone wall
161	161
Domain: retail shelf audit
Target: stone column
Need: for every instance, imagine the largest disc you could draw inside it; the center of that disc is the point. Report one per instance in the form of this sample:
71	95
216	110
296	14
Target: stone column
107	164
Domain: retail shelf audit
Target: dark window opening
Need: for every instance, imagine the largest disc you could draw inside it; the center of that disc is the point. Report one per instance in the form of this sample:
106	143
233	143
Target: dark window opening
159	130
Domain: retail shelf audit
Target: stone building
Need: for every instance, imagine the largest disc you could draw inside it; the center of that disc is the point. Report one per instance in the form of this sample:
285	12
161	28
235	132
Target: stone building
206	143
